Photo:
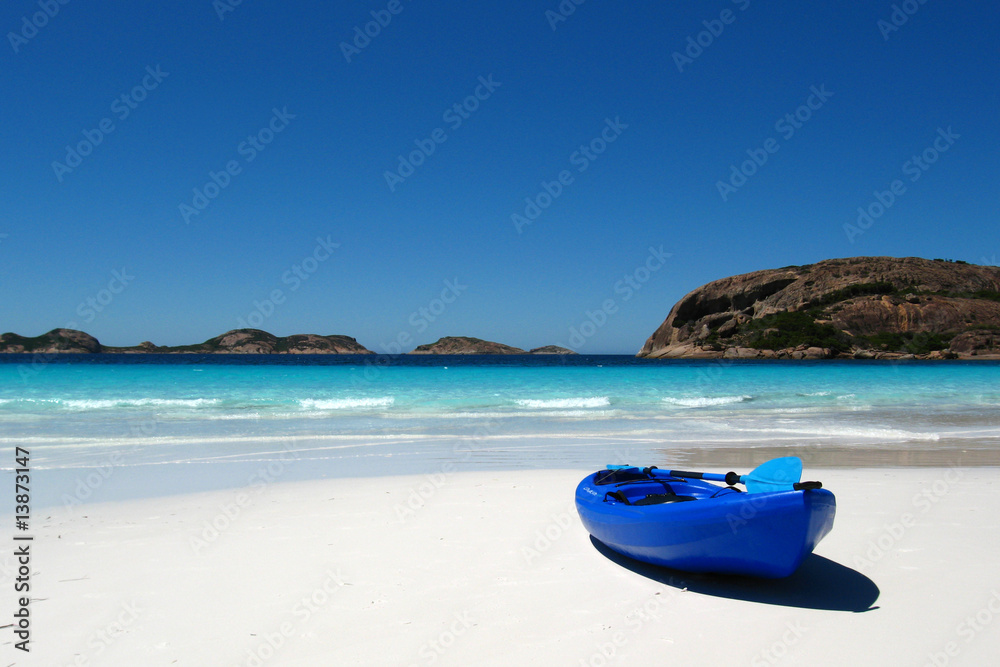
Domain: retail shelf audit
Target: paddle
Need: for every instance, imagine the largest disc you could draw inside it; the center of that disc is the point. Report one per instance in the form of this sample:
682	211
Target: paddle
781	474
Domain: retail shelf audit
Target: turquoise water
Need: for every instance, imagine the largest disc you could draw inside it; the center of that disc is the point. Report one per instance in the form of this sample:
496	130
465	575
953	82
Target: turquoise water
411	414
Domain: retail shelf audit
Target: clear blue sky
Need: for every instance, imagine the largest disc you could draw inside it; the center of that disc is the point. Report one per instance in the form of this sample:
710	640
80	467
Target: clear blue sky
197	86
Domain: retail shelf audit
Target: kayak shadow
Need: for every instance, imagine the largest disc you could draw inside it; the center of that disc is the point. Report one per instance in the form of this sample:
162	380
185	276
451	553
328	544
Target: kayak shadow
819	583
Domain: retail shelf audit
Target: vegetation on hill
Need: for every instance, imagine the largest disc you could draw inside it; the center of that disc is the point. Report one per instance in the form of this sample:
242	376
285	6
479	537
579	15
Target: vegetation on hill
862	306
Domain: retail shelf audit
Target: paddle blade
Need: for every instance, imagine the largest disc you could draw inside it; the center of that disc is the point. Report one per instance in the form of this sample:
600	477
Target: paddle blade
775	475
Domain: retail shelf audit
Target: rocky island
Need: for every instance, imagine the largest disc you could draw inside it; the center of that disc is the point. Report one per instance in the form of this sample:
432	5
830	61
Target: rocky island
248	341
551	349
237	341
69	341
465	345
861	307
469	345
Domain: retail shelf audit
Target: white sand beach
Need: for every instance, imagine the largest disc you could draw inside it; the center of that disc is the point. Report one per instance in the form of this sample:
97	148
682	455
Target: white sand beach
495	568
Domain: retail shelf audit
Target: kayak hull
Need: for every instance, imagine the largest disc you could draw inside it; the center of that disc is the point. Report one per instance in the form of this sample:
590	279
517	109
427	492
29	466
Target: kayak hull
709	528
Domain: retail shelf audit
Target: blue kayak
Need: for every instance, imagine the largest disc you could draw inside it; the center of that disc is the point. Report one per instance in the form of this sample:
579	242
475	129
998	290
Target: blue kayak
696	526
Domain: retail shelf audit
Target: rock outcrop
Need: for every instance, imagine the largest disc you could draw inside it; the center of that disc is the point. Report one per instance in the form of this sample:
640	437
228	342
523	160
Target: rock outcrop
255	341
58	340
237	341
466	345
864	307
551	349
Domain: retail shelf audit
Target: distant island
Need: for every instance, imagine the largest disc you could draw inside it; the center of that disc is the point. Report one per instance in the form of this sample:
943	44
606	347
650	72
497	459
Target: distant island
860	307
551	349
237	341
248	341
469	345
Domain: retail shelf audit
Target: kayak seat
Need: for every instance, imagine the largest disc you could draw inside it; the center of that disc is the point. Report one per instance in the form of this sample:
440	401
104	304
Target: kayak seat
726	491
662	498
622	476
649	499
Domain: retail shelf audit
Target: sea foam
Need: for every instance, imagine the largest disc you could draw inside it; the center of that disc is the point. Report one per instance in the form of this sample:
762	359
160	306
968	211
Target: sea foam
563	403
109	403
706	401
346	403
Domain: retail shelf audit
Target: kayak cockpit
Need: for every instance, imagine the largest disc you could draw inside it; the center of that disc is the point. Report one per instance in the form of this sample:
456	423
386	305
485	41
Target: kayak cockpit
642	486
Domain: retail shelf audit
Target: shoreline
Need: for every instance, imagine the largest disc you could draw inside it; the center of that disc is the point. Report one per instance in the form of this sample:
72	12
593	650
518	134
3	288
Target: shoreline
829	456
457	568
117	476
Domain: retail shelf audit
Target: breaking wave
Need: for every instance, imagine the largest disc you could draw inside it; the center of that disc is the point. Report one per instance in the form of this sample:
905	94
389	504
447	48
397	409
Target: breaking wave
346	403
107	403
563	403
706	401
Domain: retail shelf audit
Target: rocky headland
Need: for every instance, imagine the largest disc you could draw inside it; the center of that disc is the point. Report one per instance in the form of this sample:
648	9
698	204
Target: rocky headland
860	307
